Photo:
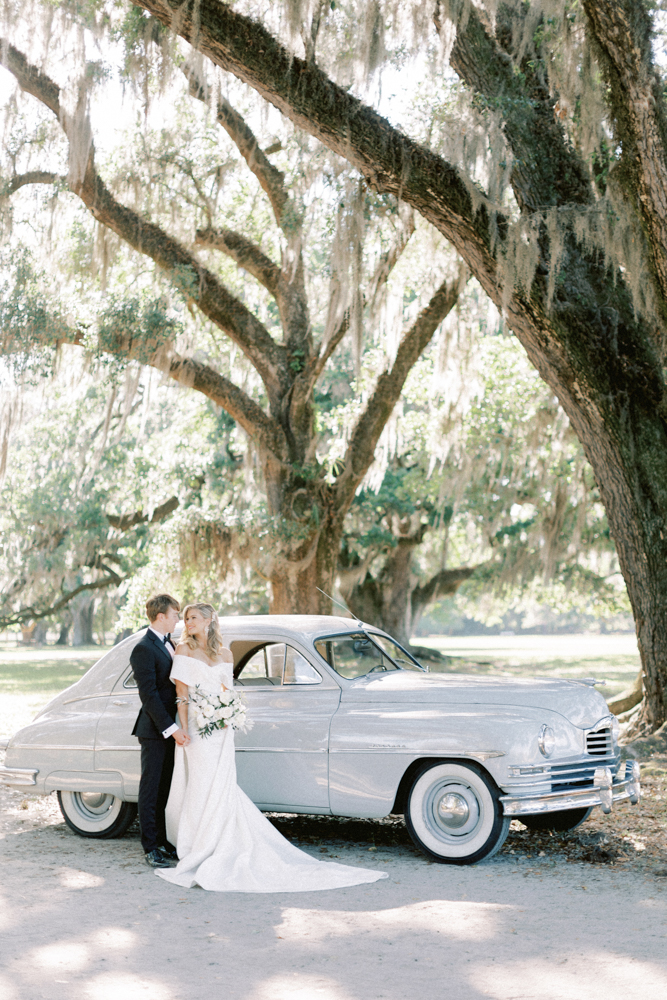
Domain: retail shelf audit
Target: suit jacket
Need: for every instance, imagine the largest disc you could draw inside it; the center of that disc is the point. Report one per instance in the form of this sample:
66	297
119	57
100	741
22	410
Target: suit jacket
151	665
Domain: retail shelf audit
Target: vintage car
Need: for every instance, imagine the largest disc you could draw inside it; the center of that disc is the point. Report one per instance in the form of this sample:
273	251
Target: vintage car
347	723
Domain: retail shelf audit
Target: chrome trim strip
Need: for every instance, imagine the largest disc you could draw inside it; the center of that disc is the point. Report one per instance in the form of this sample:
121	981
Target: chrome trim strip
555	771
421	752
101	749
18	775
277	750
49	746
86	697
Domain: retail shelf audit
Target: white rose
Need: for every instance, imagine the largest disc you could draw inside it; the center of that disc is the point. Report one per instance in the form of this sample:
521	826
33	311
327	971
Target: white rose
226	712
207	711
201	721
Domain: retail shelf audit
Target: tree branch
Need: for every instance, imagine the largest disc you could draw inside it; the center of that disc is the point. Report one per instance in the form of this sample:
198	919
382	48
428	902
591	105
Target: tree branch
194	280
124	522
556	177
31	177
389	260
622	32
388	388
334	340
384	268
447	581
266	433
272	180
246	254
33	614
389	160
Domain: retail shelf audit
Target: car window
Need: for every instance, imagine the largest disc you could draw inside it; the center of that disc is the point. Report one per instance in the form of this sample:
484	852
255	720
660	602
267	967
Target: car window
397	654
354	655
130	681
275	660
298	670
256	666
277	664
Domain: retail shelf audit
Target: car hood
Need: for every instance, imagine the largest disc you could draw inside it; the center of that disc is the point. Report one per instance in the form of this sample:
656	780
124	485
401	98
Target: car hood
577	702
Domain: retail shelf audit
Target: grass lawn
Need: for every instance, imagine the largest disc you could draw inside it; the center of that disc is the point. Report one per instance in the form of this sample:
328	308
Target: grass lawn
610	658
29	678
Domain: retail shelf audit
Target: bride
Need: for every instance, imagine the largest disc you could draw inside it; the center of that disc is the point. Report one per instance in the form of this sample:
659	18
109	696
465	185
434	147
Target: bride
224	842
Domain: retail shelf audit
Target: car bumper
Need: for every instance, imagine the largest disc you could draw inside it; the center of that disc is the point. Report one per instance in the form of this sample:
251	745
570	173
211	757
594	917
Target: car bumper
606	790
17	776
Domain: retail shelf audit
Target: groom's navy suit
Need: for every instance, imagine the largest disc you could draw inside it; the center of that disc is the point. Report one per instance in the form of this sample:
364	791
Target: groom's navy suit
151	665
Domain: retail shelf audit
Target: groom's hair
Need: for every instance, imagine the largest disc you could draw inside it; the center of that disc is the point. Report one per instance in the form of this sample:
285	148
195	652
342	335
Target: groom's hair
159	605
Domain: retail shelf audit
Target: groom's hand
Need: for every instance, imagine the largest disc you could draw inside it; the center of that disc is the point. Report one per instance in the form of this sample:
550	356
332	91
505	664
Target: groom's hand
181	737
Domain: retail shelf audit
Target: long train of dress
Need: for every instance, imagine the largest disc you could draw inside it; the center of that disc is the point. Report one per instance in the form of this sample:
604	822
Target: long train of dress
224	842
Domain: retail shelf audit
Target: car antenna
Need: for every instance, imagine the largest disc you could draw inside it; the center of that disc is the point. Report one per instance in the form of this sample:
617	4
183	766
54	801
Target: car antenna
343	606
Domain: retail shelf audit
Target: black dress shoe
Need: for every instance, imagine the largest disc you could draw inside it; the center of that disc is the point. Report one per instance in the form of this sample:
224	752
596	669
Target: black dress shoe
169	853
156	859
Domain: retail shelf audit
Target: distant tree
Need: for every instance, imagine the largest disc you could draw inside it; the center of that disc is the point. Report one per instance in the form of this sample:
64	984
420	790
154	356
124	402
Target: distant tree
82	495
511	507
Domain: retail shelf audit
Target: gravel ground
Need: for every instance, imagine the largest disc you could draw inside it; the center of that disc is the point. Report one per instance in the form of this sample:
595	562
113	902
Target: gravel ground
555	917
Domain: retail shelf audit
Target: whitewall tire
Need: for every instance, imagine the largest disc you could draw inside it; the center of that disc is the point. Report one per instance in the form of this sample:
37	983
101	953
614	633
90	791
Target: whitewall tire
96	814
454	815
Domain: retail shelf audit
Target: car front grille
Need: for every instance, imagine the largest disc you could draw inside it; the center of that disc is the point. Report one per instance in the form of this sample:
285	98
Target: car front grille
599	742
577	775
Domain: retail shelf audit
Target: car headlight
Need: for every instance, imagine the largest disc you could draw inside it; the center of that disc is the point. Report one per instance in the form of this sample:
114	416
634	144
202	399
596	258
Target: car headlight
546	741
615	728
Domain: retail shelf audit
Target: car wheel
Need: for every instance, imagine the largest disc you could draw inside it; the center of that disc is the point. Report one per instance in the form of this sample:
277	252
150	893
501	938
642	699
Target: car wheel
454	814
567	819
96	814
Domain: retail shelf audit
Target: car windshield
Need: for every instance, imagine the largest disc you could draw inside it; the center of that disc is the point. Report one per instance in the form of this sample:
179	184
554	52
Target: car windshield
357	654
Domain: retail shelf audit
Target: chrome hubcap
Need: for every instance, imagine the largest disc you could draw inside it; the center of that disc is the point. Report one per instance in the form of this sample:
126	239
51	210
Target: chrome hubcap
451	810
94	805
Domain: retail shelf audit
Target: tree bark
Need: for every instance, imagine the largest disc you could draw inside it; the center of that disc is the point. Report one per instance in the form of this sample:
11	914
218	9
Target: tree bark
83	609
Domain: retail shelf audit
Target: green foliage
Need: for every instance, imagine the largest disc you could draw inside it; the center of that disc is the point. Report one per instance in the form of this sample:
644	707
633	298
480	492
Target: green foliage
141	325
31	325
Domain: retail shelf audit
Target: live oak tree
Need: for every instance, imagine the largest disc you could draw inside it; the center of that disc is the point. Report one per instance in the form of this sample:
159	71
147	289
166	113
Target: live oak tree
575	258
578	267
306	500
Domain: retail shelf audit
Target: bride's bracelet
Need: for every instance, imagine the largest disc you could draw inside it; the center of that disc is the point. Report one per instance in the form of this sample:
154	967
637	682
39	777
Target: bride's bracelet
182	701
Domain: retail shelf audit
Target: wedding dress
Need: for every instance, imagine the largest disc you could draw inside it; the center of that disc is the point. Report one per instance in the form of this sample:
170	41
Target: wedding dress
223	841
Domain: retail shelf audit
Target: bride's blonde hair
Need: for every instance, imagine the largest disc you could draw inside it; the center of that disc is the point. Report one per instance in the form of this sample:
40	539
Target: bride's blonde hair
213	635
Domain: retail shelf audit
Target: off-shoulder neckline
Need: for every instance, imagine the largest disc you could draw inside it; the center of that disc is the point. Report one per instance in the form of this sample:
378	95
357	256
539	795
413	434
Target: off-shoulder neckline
184	656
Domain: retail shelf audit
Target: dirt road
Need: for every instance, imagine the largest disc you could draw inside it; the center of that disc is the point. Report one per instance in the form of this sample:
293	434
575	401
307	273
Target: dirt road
87	920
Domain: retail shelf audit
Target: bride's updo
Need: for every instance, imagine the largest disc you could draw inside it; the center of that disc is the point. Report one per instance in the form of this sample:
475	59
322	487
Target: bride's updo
213	635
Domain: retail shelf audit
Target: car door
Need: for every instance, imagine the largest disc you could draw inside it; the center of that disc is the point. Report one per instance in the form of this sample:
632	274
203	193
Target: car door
282	763
116	749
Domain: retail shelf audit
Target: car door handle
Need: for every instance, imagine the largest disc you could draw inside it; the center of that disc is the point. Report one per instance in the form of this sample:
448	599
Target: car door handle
120	703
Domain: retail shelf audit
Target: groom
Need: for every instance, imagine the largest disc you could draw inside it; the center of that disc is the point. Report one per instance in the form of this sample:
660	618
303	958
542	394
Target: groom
155	727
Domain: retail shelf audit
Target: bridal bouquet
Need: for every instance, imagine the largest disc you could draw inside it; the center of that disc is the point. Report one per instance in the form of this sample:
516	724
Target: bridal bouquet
215	711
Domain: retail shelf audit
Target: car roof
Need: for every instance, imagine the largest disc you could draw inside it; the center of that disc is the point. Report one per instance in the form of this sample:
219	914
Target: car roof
305	625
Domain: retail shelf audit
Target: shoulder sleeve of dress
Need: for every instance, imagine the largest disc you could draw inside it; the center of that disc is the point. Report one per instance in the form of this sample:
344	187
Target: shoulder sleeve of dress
182	670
